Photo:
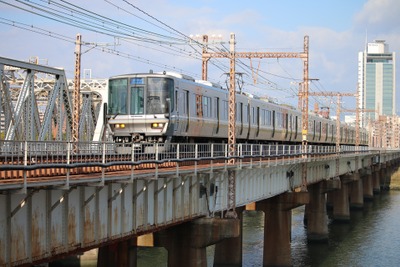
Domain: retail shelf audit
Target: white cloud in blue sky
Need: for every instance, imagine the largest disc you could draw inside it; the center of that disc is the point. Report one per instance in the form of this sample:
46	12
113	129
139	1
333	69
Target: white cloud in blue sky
337	29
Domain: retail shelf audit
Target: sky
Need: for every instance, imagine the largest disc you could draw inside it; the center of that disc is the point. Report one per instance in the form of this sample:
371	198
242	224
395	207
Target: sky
337	30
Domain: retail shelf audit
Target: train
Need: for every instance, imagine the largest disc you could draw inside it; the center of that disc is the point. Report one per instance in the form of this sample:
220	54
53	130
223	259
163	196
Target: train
170	107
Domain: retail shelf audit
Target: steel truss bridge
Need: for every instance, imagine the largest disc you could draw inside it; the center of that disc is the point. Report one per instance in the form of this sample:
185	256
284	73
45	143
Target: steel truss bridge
36	103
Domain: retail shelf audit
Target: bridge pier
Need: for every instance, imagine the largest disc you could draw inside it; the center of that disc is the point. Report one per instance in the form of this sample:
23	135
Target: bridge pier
277	226
368	192
186	243
340	202
376	186
356	192
315	216
383	172
228	252
123	253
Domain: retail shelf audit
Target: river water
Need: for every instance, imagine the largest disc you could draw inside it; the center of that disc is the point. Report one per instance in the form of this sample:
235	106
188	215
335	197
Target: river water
372	238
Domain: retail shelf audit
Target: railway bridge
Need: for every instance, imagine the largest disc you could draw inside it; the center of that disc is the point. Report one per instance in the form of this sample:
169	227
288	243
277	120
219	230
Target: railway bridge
64	198
60	198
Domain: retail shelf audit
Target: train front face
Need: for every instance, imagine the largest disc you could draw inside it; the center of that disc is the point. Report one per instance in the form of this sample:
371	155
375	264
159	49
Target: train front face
139	108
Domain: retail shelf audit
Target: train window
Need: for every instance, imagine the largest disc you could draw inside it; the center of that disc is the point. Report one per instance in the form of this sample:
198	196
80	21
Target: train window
159	96
137	105
185	102
117	90
263	115
269	121
239	112
225	110
245	113
279	120
207	106
216	111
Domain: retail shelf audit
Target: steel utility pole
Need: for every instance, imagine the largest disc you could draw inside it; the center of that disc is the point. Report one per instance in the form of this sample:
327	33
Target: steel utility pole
231	213
338	95
77	89
232	55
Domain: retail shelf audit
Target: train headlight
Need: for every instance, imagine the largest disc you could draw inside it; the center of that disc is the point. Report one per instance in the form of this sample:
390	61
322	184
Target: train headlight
156	125
119	126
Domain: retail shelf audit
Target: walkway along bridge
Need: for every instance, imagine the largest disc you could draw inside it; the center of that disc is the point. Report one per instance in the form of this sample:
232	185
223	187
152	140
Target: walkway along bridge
63	198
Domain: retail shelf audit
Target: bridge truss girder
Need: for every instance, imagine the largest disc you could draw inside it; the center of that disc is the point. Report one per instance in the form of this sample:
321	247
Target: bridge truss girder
36	104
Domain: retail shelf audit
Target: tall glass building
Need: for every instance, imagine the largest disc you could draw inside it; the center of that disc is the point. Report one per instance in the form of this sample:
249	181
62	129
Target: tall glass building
377	80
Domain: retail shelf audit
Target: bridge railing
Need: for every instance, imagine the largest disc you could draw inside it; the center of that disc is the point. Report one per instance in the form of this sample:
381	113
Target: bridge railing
68	154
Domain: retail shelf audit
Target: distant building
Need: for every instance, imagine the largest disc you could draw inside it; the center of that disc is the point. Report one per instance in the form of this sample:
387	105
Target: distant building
377	80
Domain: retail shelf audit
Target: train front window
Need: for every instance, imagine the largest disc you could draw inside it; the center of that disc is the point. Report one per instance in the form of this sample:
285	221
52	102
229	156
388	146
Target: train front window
137	105
118	90
159	95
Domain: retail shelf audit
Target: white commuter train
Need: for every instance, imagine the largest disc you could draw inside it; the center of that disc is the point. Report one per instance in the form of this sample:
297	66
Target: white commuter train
169	107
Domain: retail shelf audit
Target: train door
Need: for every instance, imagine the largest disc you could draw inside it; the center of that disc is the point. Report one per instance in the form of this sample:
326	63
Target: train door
216	116
313	129
273	124
286	124
248	120
319	130
290	121
185	113
240	117
258	121
176	118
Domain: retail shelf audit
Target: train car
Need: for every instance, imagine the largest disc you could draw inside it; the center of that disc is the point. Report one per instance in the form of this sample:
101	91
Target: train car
170	107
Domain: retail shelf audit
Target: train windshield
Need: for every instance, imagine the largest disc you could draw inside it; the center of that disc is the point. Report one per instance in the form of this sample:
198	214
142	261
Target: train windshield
137	96
117	96
159	91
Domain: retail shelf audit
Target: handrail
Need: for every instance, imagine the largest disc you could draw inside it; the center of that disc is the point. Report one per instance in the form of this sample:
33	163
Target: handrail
30	155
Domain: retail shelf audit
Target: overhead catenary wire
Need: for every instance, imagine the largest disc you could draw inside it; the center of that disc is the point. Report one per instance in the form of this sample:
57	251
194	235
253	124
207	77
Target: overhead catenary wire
173	42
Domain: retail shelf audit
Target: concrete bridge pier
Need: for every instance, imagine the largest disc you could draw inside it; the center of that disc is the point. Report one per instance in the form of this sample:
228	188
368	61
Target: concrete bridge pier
277	226
366	176
383	174
186	243
376	185
122	254
340	200
315	216
229	252
356	192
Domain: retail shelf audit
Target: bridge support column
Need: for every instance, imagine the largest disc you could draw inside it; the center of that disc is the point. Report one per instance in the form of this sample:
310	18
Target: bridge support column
375	180
228	252
340	202
315	216
277	227
186	243
383	172
367	185
356	192
122	254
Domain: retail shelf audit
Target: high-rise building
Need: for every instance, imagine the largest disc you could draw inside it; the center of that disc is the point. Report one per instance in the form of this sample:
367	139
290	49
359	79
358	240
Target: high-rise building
377	80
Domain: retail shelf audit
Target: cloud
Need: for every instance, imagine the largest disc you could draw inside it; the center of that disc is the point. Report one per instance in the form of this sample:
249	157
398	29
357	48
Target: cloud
379	15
